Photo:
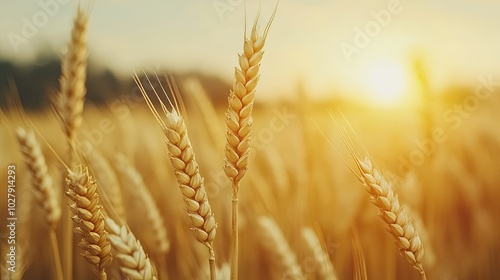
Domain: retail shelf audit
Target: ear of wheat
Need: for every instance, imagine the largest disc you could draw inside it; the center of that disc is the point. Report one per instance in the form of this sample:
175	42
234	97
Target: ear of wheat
187	172
68	106
398	223
133	261
88	219
43	189
239	122
70	98
239	119
43	185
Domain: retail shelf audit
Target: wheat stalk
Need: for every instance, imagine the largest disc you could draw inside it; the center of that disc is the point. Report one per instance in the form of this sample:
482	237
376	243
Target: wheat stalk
71	96
128	251
276	246
137	186
239	122
399	225
88	218
43	190
187	172
43	186
68	105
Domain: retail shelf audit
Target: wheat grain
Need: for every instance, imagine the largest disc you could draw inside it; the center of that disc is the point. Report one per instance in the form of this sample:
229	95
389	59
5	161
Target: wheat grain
88	218
276	246
133	261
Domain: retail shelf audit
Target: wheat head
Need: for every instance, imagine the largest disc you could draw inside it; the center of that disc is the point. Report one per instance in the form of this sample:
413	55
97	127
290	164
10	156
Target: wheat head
133	261
70	98
399	225
88	218
43	186
186	170
239	119
392	213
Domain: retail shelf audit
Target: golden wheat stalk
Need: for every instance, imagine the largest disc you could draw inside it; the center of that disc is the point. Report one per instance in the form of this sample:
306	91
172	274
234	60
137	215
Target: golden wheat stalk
71	96
43	189
88	218
133	262
239	122
186	170
399	225
68	106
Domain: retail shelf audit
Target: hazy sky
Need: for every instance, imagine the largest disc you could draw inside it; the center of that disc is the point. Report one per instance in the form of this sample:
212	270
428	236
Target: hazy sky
323	44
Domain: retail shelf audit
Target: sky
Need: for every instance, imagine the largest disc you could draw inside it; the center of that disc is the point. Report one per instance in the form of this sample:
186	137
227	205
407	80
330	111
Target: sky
324	46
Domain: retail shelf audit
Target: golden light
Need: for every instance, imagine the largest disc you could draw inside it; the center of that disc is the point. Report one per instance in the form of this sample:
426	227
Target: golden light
385	82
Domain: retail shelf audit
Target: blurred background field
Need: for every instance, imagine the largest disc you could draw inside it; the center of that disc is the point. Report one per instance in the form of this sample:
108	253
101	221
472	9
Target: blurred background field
422	98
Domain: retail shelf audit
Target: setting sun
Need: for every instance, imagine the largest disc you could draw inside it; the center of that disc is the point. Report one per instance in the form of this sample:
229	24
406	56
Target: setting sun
385	82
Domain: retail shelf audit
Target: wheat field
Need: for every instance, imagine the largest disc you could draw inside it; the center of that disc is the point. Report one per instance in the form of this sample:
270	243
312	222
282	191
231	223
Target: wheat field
172	185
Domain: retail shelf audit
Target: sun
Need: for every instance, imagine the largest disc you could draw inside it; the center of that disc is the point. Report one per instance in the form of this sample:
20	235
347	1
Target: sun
385	82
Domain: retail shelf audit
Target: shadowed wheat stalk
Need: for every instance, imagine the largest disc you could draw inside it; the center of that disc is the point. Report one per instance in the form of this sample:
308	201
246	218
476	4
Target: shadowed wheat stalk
276	246
239	121
43	189
134	263
107	180
320	256
88	219
138	187
186	170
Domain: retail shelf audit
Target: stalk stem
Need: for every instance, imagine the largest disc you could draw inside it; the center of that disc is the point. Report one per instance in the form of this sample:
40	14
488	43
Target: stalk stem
56	258
211	262
234	233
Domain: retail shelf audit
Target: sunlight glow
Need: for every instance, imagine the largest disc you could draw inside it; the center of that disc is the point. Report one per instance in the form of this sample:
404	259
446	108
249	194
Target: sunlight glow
385	82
